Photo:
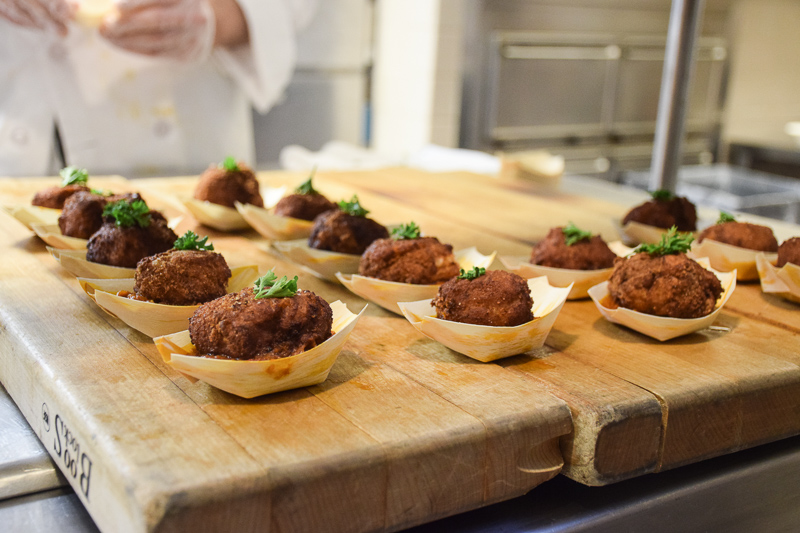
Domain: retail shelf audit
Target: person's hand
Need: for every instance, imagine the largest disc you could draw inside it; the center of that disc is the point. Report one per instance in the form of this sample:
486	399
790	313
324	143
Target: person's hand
178	29
48	15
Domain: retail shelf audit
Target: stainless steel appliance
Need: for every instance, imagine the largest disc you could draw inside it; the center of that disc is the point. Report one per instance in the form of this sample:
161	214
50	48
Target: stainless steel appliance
582	79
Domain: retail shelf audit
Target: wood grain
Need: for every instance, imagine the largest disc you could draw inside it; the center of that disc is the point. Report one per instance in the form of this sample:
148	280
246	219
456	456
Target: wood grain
404	431
369	449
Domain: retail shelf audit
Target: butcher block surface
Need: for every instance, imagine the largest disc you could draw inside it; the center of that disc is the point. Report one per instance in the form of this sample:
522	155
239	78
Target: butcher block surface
404	430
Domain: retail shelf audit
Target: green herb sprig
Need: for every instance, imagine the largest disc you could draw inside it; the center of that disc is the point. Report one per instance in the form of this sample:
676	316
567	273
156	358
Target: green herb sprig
353	207
573	234
306	187
192	241
267	287
127	214
672	242
474	272
101	192
406	232
230	164
725	217
662	194
73	176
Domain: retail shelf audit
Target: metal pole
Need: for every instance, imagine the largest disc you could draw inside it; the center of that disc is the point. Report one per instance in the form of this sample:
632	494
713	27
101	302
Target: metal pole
684	22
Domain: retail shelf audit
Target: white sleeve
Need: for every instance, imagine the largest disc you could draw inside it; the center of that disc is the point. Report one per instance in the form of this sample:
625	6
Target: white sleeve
263	68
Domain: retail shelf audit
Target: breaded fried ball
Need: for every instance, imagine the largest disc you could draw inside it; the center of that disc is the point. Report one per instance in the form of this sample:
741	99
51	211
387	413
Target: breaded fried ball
741	234
239	326
125	246
423	261
498	298
82	215
789	252
586	254
303	206
224	187
661	213
669	285
182	277
54	197
340	232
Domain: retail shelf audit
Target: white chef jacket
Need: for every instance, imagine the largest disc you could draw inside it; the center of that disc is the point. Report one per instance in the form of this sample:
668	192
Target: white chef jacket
121	113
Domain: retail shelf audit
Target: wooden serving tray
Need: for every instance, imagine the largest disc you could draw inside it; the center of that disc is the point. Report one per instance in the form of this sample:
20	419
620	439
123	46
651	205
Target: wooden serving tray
404	431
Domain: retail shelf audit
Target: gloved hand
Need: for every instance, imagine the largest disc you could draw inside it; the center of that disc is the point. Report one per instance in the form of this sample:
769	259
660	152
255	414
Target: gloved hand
48	15
178	29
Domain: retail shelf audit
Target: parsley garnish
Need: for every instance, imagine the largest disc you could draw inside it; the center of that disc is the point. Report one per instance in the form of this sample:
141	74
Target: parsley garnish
73	176
672	242
725	217
230	164
267	287
573	234
406	231
192	241
101	192
306	187
127	213
662	194
353	207
475	272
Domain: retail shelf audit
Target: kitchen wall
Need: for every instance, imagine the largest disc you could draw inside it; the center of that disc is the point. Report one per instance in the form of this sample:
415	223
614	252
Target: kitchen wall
422	65
764	83
417	77
327	96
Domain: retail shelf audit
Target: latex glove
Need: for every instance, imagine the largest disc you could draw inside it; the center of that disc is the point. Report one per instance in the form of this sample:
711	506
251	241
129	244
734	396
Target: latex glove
177	29
48	15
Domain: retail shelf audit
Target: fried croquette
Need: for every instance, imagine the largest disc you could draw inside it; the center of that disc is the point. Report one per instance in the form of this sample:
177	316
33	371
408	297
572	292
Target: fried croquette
789	252
661	213
423	261
239	326
303	206
224	187
125	246
182	277
741	234
498	298
54	197
82	215
585	254
668	285
340	232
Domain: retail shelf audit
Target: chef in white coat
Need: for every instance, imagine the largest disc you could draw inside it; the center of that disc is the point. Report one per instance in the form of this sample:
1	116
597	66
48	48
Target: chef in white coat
156	87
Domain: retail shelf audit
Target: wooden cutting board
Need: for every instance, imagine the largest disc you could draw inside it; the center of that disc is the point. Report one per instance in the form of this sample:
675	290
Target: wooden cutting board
379	446
404	431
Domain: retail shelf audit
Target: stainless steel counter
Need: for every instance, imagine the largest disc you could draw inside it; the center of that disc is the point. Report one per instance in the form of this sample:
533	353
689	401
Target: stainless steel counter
25	467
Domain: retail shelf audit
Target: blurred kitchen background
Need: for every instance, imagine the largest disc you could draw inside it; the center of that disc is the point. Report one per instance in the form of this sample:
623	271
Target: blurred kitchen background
577	78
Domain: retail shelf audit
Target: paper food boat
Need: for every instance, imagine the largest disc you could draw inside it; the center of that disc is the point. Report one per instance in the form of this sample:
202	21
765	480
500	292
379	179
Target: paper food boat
51	235
150	318
249	379
488	343
634	233
33	214
581	280
272	226
784	281
660	327
322	263
726	258
74	262
225	218
387	293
